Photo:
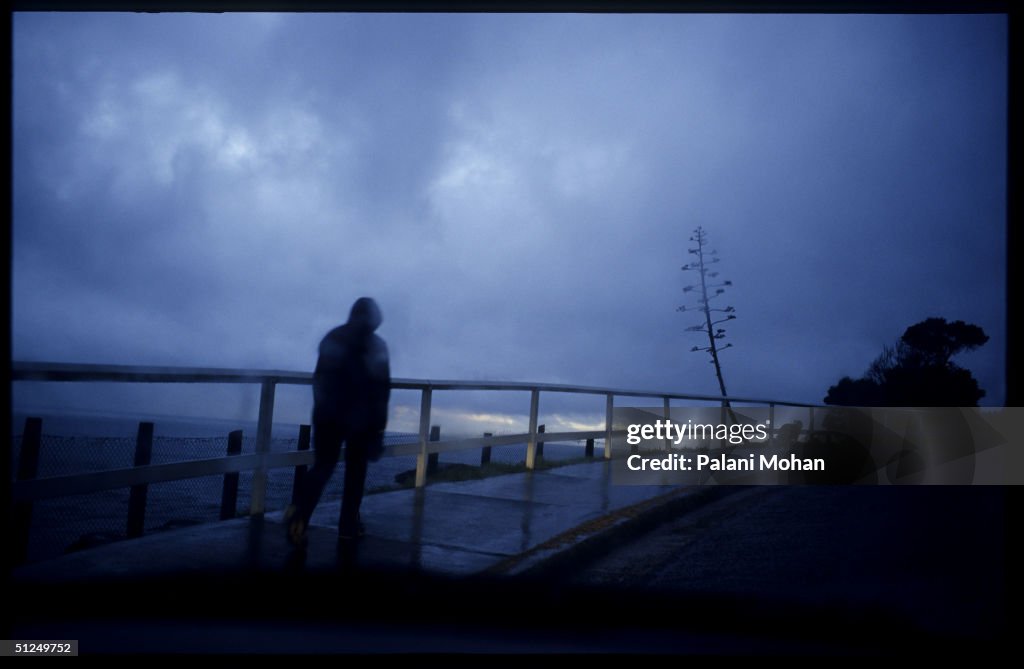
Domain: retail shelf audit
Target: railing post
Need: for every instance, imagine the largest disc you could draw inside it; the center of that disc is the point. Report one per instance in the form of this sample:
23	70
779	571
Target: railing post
28	468
667	415
722	421
485	452
300	470
137	496
257	503
421	459
435	435
531	445
588	451
540	444
229	493
608	409
771	424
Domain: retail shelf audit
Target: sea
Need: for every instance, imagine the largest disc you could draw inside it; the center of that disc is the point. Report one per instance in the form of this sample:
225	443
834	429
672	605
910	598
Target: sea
79	443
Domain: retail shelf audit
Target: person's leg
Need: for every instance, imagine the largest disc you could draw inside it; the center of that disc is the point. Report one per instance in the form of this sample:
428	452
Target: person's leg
356	462
326	449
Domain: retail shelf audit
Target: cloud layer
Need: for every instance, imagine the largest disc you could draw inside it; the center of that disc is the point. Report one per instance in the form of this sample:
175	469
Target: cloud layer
516	191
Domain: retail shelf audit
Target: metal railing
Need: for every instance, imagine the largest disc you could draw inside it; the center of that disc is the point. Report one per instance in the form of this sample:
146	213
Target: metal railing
28	488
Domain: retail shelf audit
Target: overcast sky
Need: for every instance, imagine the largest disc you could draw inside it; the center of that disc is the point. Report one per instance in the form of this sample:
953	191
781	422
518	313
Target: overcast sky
517	191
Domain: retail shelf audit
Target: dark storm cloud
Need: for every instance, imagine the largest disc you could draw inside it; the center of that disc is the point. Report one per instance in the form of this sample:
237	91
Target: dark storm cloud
517	191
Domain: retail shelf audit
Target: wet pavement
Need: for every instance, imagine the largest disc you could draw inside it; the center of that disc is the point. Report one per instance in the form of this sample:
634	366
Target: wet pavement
457	529
622	569
926	558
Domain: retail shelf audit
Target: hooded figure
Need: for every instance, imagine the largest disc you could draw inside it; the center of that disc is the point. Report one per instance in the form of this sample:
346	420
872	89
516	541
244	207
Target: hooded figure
352	381
351	389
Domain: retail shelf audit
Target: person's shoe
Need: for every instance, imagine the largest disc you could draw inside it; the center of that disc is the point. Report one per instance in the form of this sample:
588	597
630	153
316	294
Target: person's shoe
347	534
295	527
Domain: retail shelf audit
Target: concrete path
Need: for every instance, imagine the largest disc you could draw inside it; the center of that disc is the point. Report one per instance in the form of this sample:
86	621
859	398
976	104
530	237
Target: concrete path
458	528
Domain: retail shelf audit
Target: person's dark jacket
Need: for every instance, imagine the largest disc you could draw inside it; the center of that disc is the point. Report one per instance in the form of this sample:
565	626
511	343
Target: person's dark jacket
352	381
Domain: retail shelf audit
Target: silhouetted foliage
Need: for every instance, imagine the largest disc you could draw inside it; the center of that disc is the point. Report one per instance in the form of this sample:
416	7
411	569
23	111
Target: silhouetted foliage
863	392
918	370
934	340
886	360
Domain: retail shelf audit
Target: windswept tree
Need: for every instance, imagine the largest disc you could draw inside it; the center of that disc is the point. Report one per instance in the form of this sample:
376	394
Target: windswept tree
706	290
917	370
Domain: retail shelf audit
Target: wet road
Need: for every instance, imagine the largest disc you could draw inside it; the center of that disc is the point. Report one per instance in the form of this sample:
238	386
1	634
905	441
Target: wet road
769	570
931	559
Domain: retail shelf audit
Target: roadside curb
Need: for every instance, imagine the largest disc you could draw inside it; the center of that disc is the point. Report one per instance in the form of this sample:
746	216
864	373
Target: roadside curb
587	541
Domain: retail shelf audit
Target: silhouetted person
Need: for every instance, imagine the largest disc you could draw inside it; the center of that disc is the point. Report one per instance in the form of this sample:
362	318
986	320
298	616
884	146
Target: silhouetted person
351	389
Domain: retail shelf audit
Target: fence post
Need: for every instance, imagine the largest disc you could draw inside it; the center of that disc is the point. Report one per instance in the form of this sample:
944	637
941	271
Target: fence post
589	450
300	470
435	435
667	415
485	452
229	493
531	445
540	444
421	459
257	504
608	408
28	468
137	496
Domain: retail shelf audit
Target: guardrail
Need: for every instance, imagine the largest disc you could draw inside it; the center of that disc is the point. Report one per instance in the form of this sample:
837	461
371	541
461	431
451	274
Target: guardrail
28	488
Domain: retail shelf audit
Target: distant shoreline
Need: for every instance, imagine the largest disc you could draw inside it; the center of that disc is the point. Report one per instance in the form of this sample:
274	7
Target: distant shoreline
112	424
